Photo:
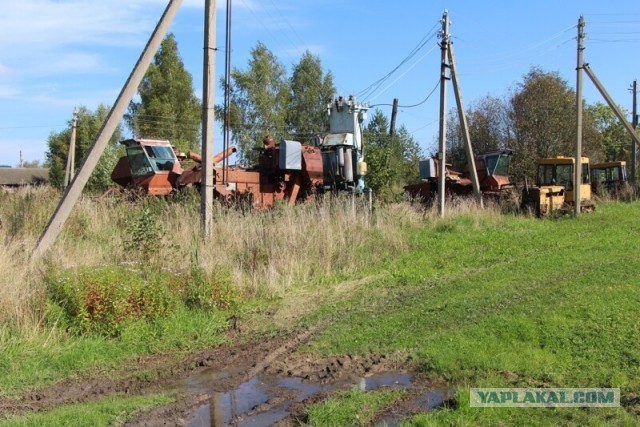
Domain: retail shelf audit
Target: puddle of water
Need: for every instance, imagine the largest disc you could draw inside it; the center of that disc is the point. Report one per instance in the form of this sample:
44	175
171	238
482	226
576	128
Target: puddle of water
432	399
264	400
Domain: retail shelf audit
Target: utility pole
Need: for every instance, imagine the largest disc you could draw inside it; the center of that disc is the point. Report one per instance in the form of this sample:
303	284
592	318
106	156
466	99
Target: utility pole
70	172
392	130
468	149
634	123
394	114
21	160
444	45
74	191
208	90
578	165
227	91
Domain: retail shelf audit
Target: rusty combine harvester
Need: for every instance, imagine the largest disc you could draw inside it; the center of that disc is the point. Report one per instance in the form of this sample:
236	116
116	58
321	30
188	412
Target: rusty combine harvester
493	176
289	171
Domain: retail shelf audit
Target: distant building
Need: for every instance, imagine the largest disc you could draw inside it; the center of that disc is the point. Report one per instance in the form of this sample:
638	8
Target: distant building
20	177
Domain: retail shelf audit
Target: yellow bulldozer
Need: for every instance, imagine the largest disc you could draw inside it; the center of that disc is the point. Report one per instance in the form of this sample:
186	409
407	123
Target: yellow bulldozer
553	192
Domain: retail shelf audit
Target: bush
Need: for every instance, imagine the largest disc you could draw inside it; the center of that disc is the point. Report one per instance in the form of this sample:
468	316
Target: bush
104	299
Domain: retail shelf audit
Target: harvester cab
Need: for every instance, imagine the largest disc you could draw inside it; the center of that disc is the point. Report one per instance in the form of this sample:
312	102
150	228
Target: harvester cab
149	164
554	189
493	171
609	176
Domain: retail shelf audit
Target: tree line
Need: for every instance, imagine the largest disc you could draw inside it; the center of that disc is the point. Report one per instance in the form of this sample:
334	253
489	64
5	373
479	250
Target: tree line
535	119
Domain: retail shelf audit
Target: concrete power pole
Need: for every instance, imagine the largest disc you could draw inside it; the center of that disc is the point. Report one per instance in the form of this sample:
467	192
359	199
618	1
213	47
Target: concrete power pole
634	123
394	114
468	149
578	166
74	191
70	172
392	130
208	90
444	45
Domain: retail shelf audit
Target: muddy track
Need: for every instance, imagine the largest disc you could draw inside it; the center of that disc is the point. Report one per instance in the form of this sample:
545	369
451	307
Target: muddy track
239	361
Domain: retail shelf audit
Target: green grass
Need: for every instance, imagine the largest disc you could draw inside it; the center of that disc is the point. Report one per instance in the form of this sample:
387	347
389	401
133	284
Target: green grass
464	415
32	363
494	302
112	410
351	408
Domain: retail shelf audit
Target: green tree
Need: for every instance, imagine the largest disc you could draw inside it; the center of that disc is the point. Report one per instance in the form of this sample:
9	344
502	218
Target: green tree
489	130
391	163
259	99
542	116
89	124
612	135
167	108
311	91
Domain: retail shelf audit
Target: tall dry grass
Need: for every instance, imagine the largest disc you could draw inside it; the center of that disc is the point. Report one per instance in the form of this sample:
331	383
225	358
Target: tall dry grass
262	252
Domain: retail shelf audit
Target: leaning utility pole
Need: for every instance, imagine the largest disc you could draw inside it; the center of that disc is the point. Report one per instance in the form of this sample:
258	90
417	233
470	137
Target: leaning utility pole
70	172
208	89
394	114
634	123
616	110
444	45
74	191
471	162
578	165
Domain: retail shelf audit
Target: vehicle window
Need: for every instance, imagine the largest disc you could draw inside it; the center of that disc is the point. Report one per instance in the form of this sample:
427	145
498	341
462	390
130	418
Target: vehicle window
162	158
563	176
545	175
502	166
138	161
585	173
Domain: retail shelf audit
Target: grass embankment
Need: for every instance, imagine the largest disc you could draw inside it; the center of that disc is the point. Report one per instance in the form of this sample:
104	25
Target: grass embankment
493	301
127	278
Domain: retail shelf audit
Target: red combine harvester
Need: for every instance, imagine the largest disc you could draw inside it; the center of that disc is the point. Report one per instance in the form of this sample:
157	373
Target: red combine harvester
289	171
493	176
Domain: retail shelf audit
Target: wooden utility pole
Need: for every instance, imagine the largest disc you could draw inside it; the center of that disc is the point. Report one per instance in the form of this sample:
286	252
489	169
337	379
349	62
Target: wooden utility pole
444	65
468	149
74	191
634	123
208	90
578	165
70	172
394	114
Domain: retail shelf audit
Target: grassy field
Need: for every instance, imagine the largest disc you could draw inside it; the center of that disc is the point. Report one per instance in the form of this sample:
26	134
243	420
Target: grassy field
477	299
509	302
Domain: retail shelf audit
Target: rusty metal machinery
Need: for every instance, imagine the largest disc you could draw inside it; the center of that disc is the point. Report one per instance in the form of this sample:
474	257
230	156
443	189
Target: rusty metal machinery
493	176
289	171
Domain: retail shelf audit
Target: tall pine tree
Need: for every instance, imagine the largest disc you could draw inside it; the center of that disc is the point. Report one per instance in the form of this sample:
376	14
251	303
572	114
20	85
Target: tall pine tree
167	108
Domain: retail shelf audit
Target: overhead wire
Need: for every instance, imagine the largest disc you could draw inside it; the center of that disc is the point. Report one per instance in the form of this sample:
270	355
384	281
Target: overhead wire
371	89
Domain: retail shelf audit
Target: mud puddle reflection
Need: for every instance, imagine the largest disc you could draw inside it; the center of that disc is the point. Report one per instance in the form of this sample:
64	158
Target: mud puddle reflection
264	400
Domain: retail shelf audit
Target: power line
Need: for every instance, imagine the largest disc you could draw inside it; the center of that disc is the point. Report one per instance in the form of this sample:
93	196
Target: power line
369	90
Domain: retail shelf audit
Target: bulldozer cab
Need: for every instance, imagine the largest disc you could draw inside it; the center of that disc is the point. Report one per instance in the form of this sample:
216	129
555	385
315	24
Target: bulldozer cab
609	176
558	171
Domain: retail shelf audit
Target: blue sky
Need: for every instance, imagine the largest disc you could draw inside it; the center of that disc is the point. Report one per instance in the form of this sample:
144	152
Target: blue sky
57	54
